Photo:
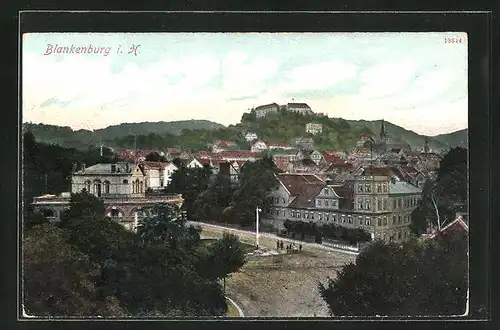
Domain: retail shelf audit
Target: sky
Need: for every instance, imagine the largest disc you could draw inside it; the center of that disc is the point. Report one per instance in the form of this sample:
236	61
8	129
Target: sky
414	80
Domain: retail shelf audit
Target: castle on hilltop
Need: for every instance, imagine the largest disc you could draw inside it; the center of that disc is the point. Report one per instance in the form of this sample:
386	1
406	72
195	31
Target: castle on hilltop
300	108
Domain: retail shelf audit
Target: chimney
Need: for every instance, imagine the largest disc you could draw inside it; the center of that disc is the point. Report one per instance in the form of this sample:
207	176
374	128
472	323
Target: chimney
73	169
113	168
83	167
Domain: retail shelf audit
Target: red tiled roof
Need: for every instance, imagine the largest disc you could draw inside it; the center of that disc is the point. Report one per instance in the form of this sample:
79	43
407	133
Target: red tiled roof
293	182
306	195
278	144
378	171
155	164
246	154
267	106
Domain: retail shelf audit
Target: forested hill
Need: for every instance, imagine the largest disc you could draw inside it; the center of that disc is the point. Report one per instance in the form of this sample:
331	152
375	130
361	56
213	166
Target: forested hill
81	139
161	127
417	141
455	139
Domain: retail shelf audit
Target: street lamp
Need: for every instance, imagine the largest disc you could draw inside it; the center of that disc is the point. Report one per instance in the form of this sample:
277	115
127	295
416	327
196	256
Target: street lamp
257	210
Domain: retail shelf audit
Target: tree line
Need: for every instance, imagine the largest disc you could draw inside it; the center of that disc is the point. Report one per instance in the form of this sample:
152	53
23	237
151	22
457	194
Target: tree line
328	231
215	197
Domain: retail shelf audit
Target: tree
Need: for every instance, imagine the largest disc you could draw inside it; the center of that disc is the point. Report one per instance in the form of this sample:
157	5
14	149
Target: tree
226	256
444	196
415	278
59	280
155	157
256	181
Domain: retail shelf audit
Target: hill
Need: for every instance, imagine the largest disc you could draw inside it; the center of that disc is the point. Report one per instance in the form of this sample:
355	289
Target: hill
284	126
82	139
161	127
455	139
415	140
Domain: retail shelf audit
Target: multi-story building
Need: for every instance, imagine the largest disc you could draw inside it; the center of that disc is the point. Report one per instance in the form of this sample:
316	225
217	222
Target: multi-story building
371	201
300	108
121	186
264	110
313	128
158	174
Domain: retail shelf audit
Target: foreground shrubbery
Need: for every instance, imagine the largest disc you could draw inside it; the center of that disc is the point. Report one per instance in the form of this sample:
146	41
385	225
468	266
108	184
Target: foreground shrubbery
91	266
416	278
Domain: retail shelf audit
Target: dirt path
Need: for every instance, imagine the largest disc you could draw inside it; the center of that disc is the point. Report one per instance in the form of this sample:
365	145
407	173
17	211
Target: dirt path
284	285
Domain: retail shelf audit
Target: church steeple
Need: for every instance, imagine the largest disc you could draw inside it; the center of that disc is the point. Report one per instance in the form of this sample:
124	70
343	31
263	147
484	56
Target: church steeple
383	133
426	145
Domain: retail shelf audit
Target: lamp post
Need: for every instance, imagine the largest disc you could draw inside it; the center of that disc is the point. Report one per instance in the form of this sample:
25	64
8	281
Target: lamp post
257	210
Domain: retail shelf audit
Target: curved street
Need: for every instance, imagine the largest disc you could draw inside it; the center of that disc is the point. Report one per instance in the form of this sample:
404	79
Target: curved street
280	284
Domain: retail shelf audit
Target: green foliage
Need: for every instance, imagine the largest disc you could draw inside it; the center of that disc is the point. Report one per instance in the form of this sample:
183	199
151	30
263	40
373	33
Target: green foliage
189	182
416	278
155	157
59	280
443	197
256	180
212	202
332	231
225	256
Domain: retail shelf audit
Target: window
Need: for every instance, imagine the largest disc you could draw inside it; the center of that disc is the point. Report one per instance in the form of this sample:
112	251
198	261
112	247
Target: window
306	214
141	185
385	204
399	202
360	204
393	204
115	213
87	186
326	192
368	187
343	218
334	203
368	221
106	187
360	187
385	187
319	202
97	188
385	221
393	219
399	219
283	201
327	216
320	215
284	213
379	222
399	234
312	215
379	205
349	219
326	203
125	181
379	188
405	218
367	204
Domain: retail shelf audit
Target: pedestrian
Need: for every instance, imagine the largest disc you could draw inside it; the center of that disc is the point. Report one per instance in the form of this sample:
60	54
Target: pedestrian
287	249
277	245
300	247
281	245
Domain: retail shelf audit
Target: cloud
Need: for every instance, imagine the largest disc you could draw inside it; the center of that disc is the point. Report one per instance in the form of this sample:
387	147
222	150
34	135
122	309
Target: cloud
318	76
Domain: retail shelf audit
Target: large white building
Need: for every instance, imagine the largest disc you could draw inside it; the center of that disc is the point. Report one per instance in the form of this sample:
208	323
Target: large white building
121	186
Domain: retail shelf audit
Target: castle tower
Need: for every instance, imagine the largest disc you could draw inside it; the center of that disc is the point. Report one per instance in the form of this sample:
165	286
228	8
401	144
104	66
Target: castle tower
383	133
426	145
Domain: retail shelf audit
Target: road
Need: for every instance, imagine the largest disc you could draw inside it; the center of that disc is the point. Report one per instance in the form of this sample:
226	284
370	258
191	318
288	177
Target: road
284	284
251	234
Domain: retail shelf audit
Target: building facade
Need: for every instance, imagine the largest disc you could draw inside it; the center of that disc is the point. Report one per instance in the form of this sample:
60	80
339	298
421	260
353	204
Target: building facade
375	203
314	129
264	110
121	186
